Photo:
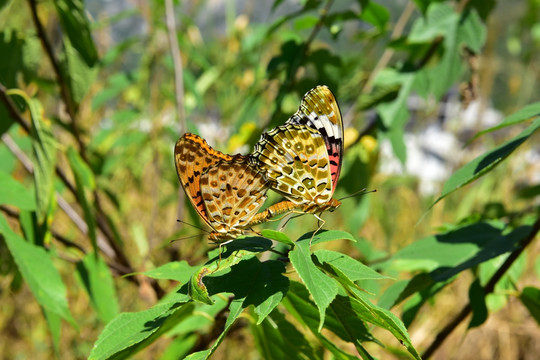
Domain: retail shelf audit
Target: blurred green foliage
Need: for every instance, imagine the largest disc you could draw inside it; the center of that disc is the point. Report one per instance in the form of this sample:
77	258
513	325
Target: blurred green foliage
93	98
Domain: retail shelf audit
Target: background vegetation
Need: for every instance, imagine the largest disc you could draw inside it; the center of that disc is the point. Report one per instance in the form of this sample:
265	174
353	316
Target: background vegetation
93	96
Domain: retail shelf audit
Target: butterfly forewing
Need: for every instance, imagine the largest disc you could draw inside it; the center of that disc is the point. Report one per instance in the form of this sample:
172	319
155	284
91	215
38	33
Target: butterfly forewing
320	111
233	192
193	156
295	161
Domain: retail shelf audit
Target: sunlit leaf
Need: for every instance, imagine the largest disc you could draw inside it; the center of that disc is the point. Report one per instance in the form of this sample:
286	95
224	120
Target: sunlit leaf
485	162
322	287
38	271
348	308
128	333
180	271
99	285
14	193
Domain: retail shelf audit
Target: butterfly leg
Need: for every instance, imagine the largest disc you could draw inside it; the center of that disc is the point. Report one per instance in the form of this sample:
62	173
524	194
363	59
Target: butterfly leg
321	222
298	213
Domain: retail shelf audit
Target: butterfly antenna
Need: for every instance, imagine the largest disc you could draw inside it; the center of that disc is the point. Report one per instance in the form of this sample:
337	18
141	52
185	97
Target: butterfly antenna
185	238
196	227
359	192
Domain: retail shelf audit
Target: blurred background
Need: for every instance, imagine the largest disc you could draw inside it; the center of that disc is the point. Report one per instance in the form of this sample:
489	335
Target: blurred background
227	70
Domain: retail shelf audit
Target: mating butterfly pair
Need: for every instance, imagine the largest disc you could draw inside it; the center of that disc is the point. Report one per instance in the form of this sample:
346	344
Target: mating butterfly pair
300	160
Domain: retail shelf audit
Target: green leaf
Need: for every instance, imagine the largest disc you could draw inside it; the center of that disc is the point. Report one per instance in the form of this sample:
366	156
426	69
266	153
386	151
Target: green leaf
395	115
197	288
439	20
76	26
129	333
235	310
326	235
456	30
484	163
277	236
38	271
180	271
304	310
347	266
299	305
477	299
277	338
14	193
79	74
99	285
252	283
80	173
462	248
347	308
322	287
44	157
523	114
55	327
530	297
375	14
180	347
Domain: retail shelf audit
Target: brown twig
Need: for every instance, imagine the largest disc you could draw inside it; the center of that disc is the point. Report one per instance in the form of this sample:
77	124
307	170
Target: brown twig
488	289
60	79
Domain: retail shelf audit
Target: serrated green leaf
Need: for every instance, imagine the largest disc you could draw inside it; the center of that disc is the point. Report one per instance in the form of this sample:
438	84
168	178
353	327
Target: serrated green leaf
252	283
484	163
299	305
99	285
530	297
348	266
326	235
277	236
38	271
322	287
14	193
129	333
180	271
80	170
349	307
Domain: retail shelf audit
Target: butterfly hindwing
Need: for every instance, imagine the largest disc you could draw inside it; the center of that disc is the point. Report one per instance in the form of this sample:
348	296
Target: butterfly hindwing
295	161
320	111
233	192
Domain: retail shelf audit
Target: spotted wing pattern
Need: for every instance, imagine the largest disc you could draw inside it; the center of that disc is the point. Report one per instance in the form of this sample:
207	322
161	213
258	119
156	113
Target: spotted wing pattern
295	161
320	111
233	192
227	191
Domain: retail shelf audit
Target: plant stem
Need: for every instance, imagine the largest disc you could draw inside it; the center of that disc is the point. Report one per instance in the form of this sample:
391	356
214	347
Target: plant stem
488	289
